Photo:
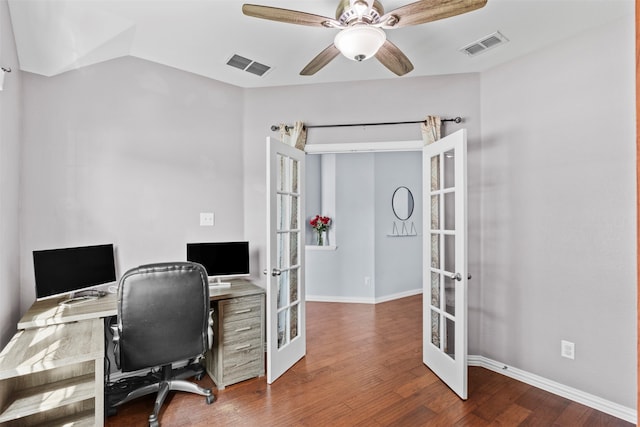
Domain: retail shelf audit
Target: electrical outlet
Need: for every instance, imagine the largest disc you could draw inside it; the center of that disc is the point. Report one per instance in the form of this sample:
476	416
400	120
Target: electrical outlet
567	349
367	281
207	219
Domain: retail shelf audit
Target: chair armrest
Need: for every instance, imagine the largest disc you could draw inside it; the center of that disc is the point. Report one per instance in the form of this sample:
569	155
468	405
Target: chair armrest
210	329
116	344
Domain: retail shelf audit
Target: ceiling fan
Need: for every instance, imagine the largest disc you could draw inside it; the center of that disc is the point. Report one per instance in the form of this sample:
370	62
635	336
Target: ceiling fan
361	24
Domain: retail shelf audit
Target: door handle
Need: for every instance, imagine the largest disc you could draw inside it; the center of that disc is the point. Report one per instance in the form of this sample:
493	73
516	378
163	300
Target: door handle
275	272
458	277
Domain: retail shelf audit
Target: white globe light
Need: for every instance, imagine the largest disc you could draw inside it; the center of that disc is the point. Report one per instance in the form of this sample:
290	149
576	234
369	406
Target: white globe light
360	42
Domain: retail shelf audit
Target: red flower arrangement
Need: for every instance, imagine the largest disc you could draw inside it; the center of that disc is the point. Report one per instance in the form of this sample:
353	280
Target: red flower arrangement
320	223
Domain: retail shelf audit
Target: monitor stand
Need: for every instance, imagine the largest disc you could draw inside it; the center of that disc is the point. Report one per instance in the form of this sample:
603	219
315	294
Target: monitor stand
82	296
216	283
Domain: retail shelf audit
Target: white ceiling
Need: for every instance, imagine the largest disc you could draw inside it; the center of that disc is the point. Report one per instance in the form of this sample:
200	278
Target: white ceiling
199	36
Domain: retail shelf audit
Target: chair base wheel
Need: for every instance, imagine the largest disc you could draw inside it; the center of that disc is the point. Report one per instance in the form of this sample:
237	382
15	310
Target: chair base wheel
210	399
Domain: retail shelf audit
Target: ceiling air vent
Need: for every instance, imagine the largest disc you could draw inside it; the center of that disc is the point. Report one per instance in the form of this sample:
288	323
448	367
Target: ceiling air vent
484	44
248	65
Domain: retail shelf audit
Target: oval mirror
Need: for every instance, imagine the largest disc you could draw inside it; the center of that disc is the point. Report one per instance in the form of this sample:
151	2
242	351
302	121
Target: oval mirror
402	203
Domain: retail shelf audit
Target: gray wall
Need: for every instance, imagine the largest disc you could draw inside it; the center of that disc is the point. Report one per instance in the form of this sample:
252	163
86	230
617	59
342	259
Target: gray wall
340	274
398	259
129	152
10	104
313	196
559	213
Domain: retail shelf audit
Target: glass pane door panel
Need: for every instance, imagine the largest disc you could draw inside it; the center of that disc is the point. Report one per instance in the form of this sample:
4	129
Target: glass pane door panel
282	248
293	332
450	338
435	289
435	212
279	249
293	288
450	295
293	248
435	251
279	217
280	177
449	169
287	178
294	211
282	329
450	211
435	328
283	289
435	173
294	176
450	253
283	211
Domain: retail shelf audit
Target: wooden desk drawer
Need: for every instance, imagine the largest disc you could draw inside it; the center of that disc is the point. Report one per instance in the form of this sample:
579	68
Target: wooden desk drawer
242	348
241	330
247	362
242	371
241	308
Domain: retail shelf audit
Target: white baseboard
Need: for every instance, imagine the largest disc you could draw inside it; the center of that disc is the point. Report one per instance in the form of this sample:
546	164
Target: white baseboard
363	300
399	295
570	393
348	300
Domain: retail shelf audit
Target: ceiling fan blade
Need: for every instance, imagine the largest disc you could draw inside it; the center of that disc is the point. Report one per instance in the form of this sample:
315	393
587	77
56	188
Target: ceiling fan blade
322	59
289	16
424	11
393	58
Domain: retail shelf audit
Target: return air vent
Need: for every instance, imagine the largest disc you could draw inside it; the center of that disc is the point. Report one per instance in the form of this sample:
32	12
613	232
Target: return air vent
248	65
484	44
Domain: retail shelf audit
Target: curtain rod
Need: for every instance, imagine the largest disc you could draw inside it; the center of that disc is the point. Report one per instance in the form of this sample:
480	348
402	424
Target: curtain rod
287	127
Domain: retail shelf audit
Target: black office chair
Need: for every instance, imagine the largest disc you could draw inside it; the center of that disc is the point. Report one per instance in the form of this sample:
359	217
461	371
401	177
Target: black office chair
163	318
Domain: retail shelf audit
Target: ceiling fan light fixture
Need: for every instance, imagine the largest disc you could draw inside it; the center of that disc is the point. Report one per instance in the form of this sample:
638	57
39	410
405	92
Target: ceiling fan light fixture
361	7
360	42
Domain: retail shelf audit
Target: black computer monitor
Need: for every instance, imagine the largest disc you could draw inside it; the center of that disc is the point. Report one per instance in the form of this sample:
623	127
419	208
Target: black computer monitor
222	260
65	270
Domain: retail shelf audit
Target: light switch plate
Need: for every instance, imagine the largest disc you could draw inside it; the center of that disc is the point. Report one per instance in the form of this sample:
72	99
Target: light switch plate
207	219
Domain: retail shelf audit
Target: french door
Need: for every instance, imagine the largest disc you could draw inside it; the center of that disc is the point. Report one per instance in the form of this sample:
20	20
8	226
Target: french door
445	260
286	337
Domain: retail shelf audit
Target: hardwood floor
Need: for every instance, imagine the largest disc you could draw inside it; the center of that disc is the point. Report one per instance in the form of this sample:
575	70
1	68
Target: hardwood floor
364	368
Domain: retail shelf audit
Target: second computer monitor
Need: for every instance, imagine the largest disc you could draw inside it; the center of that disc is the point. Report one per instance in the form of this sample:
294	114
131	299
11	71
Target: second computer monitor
222	260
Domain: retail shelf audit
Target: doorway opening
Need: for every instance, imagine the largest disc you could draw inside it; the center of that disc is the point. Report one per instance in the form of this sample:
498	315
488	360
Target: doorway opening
368	258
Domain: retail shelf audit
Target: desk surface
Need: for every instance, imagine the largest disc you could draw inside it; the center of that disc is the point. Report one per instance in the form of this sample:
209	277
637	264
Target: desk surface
37	350
51	312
